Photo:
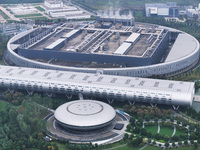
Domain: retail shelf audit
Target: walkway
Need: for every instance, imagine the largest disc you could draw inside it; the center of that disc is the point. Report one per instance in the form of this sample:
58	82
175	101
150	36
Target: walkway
43	12
174	131
144	147
180	114
158	127
11	16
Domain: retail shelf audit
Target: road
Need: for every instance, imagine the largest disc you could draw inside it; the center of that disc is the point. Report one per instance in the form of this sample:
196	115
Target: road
180	114
11	16
43	13
2	20
144	147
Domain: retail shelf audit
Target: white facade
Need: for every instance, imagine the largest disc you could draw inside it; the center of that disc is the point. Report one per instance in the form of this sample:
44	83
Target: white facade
63	13
169	9
53	3
23	9
192	12
132	89
84	114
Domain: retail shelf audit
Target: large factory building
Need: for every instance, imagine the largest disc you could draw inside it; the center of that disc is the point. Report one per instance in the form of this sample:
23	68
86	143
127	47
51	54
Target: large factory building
141	50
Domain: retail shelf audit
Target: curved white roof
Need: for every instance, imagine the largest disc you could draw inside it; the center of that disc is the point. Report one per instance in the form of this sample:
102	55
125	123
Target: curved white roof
85	113
183	46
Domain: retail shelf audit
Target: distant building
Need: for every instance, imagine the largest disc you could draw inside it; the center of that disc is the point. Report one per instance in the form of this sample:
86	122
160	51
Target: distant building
53	3
13	29
192	12
56	9
115	17
182	12
169	9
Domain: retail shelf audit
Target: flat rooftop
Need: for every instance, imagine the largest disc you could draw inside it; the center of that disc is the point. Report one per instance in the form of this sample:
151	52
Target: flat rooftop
94	38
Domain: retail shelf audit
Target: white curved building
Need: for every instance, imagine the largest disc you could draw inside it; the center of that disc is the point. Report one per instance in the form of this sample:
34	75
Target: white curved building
132	89
183	55
84	115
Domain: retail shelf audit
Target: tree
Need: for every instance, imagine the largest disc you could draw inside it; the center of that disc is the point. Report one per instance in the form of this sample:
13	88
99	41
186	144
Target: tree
193	136
156	119
196	145
167	144
172	119
180	143
140	113
163	119
140	120
195	17
13	115
149	141
129	127
147	118
192	127
173	144
125	136
192	141
144	131
185	142
132	121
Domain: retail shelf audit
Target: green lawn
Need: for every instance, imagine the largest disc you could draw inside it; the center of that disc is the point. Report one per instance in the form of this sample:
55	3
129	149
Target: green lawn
152	148
38	18
3	105
178	132
126	147
4	15
28	15
185	148
138	14
39	8
152	129
114	144
166	131
181	148
61	146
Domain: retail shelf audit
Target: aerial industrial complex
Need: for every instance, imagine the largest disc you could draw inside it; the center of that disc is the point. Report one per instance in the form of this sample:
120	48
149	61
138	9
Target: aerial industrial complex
103	59
141	50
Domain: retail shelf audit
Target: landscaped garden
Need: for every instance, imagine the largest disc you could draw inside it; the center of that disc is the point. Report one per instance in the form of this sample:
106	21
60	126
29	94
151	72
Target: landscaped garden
40	8
28	15
166	131
152	129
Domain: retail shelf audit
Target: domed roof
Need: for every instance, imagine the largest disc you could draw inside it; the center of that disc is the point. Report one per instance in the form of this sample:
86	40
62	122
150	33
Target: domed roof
85	113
